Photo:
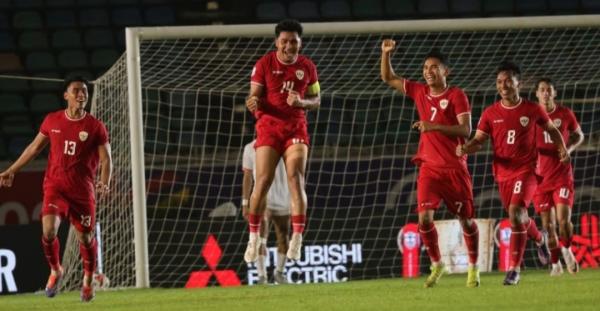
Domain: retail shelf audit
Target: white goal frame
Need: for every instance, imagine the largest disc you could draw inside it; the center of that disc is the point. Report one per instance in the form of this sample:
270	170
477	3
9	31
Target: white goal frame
135	35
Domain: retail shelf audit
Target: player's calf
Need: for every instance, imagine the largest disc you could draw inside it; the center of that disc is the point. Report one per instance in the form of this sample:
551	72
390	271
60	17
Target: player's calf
294	251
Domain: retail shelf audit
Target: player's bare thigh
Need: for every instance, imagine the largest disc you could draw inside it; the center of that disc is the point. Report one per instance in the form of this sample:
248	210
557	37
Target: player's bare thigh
295	158
266	162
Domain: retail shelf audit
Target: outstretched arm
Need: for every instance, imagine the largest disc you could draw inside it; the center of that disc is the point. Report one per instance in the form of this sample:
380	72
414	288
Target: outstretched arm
103	185
473	145
387	73
35	147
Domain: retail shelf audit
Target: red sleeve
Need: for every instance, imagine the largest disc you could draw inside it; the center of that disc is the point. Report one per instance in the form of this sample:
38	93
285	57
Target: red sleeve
484	123
461	102
573	124
102	134
412	88
258	73
542	115
45	127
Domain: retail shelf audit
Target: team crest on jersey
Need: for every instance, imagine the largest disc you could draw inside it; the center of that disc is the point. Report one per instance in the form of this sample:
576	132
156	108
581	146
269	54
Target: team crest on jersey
524	121
443	103
300	74
557	122
83	135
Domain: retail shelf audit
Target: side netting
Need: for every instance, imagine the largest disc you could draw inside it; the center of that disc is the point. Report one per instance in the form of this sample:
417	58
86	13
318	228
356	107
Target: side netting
360	182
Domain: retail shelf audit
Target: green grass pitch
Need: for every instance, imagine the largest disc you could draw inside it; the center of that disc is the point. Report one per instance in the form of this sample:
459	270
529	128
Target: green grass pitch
537	291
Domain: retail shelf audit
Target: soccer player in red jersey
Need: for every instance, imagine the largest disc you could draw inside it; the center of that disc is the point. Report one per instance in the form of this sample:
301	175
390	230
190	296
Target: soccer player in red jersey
78	142
283	85
554	195
445	123
511	124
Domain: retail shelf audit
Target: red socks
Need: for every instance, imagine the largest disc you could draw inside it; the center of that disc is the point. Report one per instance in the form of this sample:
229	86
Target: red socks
471	236
518	240
254	222
566	242
429	237
554	254
533	232
88	256
51	250
298	222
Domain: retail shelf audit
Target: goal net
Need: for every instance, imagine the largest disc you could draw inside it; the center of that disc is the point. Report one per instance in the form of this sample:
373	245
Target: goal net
360	180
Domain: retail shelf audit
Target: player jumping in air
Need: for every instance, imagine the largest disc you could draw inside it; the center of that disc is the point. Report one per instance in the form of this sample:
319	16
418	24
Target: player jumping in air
283	85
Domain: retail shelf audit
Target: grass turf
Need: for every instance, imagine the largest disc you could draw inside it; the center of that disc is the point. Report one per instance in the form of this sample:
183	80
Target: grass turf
537	291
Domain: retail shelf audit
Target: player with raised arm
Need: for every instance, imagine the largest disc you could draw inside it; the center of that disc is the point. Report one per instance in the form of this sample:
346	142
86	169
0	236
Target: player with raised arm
444	123
277	211
554	195
78	143
283	85
511	124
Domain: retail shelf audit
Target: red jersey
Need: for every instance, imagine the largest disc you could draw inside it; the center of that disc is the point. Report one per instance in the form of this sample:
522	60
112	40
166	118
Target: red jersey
277	79
512	131
555	173
435	148
73	158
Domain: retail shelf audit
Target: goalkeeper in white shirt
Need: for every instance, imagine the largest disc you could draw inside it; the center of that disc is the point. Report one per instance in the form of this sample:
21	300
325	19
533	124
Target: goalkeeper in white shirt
277	212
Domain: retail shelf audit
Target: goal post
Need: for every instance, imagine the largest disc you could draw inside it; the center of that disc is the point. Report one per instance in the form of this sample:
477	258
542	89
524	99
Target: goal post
173	104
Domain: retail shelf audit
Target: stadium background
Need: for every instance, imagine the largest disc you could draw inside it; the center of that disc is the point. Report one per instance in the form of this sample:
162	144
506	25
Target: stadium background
53	39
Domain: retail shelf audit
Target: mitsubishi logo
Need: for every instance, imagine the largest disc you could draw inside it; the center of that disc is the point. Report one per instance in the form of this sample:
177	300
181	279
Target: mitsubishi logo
586	246
211	252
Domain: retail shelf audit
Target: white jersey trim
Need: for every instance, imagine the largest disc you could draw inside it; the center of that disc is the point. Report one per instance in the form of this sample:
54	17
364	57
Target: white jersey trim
79	119
513	107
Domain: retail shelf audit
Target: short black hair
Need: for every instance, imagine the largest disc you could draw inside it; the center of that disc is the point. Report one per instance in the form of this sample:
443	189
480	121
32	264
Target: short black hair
436	53
72	79
290	25
511	67
544	80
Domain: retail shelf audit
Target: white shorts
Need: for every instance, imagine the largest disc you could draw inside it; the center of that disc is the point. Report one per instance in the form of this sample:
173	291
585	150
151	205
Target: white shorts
278	210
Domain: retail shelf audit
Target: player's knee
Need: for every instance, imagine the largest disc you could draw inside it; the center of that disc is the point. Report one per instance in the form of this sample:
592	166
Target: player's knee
295	178
86	238
517	215
552	239
262	186
49	233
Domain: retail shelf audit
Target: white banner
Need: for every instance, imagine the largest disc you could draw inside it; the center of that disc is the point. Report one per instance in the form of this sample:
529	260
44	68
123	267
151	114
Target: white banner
453	248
